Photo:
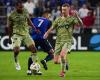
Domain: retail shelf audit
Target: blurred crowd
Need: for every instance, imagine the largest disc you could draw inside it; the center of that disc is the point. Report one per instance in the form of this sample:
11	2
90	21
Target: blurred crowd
89	13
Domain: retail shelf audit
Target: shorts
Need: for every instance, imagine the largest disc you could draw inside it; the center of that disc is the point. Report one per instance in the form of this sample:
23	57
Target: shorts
62	45
18	39
44	44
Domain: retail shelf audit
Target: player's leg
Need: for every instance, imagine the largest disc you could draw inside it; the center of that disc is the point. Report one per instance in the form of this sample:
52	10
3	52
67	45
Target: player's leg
69	51
33	57
31	46
30	61
16	41
33	50
56	59
50	55
64	59
63	62
57	53
29	72
46	46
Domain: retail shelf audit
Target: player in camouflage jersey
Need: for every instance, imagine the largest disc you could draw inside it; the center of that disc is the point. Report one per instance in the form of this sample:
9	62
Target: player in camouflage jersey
64	27
18	23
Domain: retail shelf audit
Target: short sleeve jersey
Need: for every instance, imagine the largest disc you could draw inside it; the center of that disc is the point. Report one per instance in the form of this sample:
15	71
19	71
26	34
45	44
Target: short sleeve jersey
19	22
41	23
64	28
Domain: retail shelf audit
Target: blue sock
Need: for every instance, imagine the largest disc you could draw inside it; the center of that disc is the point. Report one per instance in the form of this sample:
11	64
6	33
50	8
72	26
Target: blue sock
48	57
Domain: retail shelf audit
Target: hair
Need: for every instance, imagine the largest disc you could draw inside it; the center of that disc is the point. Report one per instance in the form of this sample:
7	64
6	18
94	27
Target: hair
66	5
45	11
18	2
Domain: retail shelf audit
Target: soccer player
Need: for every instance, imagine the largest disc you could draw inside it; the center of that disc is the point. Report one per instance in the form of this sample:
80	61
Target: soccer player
42	24
64	28
18	23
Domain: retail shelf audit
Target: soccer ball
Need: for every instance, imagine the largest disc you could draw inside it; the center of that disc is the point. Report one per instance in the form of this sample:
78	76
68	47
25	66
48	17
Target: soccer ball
35	67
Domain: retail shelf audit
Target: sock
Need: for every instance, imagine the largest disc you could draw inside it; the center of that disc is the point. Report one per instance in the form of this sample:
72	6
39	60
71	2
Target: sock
67	67
63	64
15	57
34	58
29	62
48	57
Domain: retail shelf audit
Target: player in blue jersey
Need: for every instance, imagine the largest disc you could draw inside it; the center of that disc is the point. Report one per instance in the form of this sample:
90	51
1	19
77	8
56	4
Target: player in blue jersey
42	24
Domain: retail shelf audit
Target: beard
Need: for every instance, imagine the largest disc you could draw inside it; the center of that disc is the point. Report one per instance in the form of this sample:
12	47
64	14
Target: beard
20	11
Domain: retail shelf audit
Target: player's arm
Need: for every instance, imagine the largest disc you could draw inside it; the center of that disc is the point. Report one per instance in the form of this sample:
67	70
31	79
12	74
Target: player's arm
54	26
48	32
80	21
29	20
32	25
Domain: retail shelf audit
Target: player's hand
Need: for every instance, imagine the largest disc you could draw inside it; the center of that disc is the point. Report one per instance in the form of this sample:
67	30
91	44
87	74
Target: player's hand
37	31
76	13
45	35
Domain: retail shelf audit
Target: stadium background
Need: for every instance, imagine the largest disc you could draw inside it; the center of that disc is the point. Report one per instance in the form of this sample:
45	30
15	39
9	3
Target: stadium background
82	41
84	66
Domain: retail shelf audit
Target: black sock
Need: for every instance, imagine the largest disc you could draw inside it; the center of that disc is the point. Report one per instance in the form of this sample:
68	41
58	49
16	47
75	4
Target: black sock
48	57
67	67
15	59
15	56
29	62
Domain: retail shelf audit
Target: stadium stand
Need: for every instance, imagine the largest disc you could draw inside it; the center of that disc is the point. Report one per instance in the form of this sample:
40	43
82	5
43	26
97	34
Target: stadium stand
6	6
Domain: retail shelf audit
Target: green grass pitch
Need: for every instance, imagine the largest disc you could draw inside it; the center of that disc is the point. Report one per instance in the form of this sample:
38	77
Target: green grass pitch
83	66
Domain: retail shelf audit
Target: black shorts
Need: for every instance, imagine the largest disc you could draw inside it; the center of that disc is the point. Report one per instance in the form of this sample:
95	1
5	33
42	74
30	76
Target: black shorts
44	44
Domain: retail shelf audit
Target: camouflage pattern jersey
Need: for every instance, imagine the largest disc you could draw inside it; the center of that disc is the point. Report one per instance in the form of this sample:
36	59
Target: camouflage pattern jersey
19	22
64	28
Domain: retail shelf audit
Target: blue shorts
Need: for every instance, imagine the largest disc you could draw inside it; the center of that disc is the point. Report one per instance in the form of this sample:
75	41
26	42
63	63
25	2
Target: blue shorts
44	44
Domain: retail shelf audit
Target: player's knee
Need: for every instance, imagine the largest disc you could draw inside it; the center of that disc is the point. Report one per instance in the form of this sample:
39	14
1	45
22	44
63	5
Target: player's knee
32	48
56	61
62	55
16	50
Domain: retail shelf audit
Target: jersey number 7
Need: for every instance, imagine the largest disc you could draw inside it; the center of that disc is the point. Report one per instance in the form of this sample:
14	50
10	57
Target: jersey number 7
40	22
